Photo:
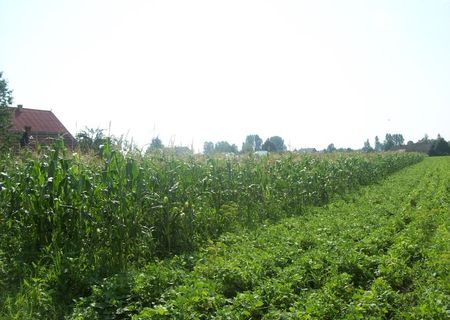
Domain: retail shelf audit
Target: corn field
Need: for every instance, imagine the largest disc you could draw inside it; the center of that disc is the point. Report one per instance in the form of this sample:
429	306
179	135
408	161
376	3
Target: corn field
81	218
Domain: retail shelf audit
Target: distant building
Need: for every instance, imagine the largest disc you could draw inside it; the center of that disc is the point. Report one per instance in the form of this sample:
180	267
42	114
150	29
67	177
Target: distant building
261	153
38	126
183	151
414	147
306	150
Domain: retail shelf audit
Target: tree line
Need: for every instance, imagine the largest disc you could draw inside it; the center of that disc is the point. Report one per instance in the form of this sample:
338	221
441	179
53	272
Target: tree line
433	147
93	139
252	143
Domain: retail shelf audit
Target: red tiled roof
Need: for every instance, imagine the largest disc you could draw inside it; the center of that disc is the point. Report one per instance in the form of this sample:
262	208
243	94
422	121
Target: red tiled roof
39	121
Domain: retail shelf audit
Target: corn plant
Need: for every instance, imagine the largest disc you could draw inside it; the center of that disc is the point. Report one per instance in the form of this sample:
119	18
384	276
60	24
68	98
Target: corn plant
88	217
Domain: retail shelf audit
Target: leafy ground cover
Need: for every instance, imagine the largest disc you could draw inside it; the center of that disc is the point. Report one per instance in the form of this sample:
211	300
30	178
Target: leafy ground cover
379	253
68	221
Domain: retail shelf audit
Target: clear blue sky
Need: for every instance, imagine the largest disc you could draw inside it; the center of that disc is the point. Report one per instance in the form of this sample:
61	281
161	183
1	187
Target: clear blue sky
313	72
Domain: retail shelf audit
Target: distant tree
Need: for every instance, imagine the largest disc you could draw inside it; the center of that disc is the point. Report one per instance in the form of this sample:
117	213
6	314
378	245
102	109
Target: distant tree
183	150
258	143
5	113
330	148
393	140
208	148
221	147
225	147
274	144
252	143
440	147
268	146
425	139
367	147
156	144
91	139
398	139
378	144
388	142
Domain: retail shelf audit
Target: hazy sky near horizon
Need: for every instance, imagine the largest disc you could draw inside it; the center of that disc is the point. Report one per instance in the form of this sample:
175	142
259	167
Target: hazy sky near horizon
313	72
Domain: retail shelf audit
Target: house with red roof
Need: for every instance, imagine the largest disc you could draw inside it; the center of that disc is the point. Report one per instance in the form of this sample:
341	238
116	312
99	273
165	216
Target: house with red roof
40	126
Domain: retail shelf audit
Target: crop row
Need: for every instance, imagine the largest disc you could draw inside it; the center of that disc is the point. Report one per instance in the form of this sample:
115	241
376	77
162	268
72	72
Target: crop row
78	219
381	254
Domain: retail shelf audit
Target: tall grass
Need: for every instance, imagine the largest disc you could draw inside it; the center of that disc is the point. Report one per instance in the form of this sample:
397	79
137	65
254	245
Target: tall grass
75	219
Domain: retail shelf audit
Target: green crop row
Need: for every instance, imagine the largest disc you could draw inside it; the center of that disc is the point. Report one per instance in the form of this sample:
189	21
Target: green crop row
383	253
67	221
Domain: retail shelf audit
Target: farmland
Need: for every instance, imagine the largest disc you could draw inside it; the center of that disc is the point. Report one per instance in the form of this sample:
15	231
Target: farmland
166	237
381	253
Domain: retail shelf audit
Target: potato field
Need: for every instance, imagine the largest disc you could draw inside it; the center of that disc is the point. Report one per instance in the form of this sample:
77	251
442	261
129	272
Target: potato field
288	236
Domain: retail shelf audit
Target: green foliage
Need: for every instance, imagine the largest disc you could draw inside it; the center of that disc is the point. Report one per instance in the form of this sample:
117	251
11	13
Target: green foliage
330	148
91	139
5	93
69	221
225	147
354	259
378	145
425	139
392	140
122	295
252	143
274	144
210	148
367	147
156	144
5	113
439	147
